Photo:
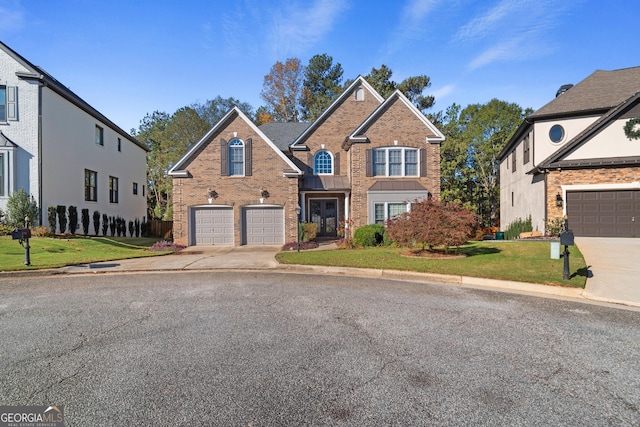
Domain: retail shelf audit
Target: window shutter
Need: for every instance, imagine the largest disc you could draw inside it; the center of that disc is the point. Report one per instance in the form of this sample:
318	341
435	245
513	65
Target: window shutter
336	164
248	157
224	163
369	162
423	162
12	103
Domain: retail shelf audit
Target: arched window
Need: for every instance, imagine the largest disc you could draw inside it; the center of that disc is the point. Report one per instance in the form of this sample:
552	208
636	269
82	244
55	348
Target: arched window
323	163
236	157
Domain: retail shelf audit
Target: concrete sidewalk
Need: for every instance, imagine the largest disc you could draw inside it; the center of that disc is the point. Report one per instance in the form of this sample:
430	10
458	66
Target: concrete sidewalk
614	269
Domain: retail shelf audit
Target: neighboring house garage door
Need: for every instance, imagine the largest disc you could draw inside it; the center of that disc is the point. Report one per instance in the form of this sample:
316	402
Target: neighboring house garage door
212	226
604	213
263	226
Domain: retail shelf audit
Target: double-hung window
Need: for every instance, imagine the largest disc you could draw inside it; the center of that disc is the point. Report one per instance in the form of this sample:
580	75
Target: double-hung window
395	161
385	211
3	103
113	189
90	186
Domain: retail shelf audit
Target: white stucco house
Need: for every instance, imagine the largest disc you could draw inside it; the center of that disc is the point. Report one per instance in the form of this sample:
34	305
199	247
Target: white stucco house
63	151
573	157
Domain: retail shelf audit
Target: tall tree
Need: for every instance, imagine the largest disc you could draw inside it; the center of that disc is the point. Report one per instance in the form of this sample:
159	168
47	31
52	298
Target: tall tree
469	164
412	87
380	79
214	109
321	85
282	90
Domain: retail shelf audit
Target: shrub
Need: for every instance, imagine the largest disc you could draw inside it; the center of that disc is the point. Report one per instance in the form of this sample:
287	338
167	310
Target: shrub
369	235
40	232
432	223
554	227
5	230
112	226
164	245
85	221
518	226
73	219
309	231
105	224
96	222
62	218
293	246
19	206
1	216
52	216
131	229
137	227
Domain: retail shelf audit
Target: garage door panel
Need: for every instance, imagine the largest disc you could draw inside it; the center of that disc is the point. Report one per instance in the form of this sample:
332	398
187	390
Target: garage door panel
263	226
212	226
604	213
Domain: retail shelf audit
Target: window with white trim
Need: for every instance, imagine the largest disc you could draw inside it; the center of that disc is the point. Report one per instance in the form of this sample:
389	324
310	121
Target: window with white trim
387	210
3	103
323	163
395	161
236	157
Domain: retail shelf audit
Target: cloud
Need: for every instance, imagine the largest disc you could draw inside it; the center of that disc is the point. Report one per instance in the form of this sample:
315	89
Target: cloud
296	27
411	25
444	91
12	18
513	30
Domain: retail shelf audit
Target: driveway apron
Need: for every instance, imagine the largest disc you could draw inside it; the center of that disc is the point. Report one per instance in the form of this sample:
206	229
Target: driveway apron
614	265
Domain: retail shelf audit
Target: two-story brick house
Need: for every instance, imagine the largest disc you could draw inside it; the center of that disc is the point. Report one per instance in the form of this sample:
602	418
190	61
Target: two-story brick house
364	160
572	157
61	150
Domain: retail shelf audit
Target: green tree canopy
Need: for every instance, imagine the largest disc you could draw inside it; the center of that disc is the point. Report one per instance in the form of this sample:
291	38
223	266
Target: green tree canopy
412	87
321	85
469	155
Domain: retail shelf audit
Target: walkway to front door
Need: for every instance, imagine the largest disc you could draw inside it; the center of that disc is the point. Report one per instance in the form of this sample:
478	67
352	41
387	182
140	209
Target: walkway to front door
324	213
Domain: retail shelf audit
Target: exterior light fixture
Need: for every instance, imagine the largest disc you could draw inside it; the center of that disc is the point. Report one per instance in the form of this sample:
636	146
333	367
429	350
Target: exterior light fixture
212	194
264	194
559	201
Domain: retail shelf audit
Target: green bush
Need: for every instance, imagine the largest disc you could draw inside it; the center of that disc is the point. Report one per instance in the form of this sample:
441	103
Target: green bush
555	227
52	215
85	221
62	218
19	206
96	222
370	235
518	226
309	231
5	230
73	219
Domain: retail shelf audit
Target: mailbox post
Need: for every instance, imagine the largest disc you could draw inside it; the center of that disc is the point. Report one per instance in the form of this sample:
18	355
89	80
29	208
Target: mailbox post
566	239
23	235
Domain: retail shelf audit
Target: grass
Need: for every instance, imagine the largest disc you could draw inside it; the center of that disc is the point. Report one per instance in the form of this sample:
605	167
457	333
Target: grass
59	252
521	261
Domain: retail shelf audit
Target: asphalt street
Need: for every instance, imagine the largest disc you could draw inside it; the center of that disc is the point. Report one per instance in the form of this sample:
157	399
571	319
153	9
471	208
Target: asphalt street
267	348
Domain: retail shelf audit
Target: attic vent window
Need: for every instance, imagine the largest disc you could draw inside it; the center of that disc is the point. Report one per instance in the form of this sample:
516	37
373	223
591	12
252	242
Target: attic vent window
359	94
556	133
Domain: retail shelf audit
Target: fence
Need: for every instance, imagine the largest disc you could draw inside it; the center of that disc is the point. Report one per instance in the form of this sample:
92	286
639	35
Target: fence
161	229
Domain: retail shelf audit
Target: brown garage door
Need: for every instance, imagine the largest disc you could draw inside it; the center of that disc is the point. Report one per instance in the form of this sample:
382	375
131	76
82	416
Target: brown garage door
604	213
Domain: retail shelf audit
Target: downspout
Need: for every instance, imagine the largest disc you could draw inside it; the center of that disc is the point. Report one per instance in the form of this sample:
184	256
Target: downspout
40	169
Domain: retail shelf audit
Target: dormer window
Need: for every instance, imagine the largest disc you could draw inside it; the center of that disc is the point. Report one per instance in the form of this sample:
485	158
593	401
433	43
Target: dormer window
323	163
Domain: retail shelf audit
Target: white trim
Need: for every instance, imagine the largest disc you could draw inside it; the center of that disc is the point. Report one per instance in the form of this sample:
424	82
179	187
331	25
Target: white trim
177	171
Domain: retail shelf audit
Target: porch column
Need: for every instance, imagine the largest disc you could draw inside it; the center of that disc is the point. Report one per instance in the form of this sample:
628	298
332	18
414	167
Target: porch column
303	212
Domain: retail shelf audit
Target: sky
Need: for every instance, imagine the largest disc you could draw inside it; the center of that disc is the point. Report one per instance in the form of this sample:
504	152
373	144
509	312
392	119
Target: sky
130	58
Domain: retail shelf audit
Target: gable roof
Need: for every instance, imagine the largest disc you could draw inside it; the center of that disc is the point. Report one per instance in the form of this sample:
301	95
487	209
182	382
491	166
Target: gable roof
599	92
556	159
283	134
358	135
334	105
38	74
179	168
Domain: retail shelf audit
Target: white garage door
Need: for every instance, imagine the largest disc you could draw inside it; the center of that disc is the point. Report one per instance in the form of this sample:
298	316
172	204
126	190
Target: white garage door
263	226
212	226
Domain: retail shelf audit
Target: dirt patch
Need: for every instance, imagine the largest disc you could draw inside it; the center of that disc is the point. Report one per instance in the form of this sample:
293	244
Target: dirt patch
432	254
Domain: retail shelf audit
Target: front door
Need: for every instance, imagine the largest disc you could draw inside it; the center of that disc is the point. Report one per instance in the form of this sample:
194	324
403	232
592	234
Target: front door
324	213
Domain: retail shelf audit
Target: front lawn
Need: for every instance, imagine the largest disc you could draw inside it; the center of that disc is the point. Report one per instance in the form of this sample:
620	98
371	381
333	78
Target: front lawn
521	261
49	252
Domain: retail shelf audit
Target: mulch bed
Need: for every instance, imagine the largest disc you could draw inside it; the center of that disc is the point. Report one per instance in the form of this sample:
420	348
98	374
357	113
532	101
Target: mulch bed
435	254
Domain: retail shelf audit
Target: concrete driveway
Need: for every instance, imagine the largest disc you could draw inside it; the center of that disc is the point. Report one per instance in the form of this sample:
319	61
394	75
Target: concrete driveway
614	265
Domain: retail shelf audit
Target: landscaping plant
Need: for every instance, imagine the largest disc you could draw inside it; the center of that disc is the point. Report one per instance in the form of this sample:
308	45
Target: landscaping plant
19	206
370	235
62	218
73	219
105	224
85	221
52	216
518	226
96	222
432	223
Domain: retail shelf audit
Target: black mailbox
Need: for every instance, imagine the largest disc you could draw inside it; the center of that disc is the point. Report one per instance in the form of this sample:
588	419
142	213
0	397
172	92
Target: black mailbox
21	234
566	238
